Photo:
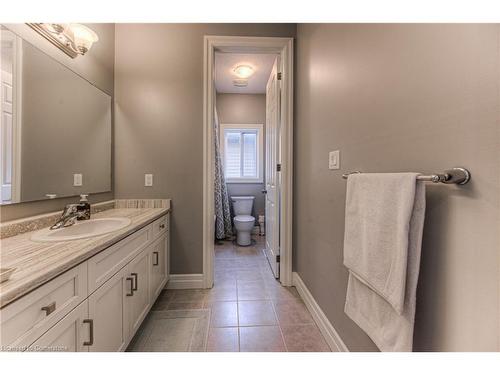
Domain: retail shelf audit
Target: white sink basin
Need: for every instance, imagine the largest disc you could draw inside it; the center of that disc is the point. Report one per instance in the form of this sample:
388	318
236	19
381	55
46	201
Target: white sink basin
82	229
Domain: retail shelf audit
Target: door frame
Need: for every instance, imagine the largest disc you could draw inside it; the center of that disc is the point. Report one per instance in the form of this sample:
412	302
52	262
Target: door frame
235	44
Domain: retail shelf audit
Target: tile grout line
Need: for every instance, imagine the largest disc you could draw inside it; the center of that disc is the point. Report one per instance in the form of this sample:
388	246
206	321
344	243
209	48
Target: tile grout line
238	312
279	326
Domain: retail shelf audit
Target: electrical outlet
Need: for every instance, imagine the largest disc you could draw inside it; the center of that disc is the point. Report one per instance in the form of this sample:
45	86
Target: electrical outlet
148	180
334	160
77	179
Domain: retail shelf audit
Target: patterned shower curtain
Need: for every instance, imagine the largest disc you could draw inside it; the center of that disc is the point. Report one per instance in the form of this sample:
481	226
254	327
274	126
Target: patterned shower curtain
223	227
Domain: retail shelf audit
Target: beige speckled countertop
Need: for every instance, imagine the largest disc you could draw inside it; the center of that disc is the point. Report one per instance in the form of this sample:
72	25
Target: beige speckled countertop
38	262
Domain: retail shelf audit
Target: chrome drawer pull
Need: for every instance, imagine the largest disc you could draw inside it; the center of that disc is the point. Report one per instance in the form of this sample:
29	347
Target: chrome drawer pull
49	309
156	260
131	286
91	332
136	285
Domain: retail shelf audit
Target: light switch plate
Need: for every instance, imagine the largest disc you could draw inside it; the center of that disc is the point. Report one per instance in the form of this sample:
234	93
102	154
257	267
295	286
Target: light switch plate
148	180
77	179
334	160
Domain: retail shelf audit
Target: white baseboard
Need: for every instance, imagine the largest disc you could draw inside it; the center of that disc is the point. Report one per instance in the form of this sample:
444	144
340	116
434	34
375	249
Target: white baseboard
329	333
185	281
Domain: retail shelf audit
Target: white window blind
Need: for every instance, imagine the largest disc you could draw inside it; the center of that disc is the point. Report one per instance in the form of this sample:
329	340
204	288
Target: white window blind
242	153
233	154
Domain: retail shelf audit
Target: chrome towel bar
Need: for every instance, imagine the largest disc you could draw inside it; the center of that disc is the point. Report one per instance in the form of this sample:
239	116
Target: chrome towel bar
458	175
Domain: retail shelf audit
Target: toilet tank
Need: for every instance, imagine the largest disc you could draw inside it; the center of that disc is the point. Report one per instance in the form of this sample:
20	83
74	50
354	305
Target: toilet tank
242	205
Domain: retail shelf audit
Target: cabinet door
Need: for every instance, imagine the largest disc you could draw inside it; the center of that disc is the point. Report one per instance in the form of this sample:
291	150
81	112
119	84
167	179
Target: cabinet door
158	266
107	309
70	334
138	305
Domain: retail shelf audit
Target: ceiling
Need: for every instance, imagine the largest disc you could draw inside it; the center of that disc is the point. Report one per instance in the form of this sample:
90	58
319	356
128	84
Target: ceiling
224	75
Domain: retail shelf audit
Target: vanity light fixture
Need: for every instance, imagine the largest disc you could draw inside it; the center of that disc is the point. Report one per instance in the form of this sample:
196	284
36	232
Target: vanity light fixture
72	38
243	71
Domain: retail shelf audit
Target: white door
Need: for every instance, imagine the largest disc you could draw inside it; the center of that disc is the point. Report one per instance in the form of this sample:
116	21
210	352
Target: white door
73	333
6	137
107	310
272	174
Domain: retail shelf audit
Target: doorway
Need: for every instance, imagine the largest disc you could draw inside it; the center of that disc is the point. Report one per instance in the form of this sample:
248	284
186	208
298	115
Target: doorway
275	175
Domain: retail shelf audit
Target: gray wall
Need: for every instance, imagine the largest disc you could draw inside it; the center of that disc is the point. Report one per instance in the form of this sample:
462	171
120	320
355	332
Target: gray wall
97	66
244	109
159	121
404	98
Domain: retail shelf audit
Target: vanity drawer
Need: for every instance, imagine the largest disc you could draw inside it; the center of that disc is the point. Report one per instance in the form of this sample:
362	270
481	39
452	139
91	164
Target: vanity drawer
160	226
105	264
26	319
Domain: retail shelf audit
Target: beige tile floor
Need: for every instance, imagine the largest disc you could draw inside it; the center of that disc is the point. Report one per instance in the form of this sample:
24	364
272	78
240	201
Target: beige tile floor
249	309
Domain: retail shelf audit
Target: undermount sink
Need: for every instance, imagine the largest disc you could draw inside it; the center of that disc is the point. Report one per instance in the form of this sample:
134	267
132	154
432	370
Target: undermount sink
81	229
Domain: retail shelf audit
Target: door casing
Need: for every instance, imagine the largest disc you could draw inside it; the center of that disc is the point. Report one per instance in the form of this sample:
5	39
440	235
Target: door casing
284	48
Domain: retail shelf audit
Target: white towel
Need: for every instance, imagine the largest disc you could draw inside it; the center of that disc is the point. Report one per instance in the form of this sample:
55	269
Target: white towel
382	244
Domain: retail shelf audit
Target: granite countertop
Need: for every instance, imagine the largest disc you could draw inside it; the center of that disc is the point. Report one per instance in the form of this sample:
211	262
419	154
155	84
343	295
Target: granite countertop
38	262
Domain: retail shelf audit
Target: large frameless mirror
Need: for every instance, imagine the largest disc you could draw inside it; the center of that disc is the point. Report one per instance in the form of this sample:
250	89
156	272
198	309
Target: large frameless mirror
55	137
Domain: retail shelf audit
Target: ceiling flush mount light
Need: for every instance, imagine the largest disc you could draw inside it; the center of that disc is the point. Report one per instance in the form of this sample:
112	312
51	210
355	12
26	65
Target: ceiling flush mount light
240	82
72	38
243	71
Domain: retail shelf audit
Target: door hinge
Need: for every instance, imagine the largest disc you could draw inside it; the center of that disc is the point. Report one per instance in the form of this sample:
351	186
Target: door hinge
279	76
278	258
278	167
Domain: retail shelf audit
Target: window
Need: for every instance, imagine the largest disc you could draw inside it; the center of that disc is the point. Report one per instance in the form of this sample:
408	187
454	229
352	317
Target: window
242	152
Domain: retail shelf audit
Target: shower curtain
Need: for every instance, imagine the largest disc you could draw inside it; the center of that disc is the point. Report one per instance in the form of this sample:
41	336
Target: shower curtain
223	227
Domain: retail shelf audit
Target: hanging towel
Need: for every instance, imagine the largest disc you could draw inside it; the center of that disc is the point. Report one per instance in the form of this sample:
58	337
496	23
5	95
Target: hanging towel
382	244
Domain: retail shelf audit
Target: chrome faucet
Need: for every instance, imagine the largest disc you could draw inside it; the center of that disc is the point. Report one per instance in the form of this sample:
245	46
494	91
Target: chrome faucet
72	213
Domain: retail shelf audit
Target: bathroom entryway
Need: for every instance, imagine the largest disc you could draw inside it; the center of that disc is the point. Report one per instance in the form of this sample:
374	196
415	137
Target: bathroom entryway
249	108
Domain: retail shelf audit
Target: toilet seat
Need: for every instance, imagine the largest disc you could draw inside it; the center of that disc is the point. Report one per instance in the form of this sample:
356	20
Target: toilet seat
244	218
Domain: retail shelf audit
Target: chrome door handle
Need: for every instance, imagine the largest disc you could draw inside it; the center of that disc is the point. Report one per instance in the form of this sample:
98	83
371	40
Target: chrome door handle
49	309
156	260
91	332
131	286
135	278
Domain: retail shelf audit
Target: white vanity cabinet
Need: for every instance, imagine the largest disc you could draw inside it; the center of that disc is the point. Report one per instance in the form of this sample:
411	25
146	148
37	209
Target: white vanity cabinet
159	256
70	334
107	312
96	306
139	302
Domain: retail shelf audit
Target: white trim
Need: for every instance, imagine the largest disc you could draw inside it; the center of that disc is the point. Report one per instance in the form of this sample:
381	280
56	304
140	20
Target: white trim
283	47
260	151
331	336
17	133
185	281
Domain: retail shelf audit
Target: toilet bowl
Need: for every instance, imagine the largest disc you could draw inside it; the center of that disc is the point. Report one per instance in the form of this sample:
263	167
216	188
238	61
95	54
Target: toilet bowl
243	220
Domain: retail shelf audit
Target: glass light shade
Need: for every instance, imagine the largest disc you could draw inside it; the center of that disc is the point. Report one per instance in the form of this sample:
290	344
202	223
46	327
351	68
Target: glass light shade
82	36
243	71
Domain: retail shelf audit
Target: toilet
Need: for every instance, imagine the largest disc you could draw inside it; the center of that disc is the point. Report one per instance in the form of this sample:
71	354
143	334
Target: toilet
243	219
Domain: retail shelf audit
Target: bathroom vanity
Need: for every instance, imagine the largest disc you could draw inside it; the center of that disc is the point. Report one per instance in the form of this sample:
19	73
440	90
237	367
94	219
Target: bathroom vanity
88	294
81	287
